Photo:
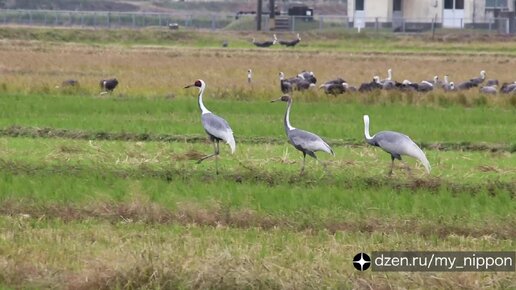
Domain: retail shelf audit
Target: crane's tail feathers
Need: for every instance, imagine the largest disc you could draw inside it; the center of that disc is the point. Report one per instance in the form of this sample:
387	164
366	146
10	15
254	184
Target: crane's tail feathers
231	142
420	155
329	150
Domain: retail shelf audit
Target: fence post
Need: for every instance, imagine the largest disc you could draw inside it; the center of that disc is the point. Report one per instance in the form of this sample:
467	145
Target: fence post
134	20
490	25
376	23
433	26
159	19
293	23
461	23
321	20
57	17
213	24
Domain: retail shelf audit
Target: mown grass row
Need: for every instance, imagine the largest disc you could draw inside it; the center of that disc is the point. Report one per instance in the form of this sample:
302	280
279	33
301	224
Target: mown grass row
330	119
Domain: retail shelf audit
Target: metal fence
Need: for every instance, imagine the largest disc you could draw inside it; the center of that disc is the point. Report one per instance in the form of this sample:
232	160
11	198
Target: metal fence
115	20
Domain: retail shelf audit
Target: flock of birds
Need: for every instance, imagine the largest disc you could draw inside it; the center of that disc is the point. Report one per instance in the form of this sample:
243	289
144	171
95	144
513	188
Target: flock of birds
306	80
269	43
106	85
394	143
218	129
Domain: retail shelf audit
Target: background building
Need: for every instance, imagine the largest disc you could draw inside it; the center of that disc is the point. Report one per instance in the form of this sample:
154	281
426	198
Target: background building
446	13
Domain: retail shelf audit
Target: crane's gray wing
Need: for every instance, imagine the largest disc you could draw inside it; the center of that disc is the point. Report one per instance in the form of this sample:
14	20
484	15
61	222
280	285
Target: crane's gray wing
309	141
218	127
400	144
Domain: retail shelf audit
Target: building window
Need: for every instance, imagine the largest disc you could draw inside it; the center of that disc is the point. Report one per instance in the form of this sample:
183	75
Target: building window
459	4
448	4
359	5
396	5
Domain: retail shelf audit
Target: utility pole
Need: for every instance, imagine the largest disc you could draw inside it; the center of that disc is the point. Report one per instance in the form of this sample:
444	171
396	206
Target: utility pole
259	16
272	15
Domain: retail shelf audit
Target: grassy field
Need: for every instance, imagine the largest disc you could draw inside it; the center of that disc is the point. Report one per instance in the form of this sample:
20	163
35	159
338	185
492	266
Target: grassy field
103	192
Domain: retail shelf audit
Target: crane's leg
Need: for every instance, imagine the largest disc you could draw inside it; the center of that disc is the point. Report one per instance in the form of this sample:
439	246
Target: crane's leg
215	153
303	167
319	161
217	150
392	165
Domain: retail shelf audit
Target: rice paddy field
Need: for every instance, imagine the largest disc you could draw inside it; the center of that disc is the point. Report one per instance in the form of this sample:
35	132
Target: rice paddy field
104	192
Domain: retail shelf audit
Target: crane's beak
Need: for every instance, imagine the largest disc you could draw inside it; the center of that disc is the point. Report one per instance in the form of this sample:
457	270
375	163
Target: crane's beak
189	86
278	99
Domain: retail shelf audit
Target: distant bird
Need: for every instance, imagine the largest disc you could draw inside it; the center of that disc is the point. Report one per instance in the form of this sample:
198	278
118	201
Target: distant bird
249	76
508	88
492	82
304	141
301	82
448	86
435	81
285	85
479	79
309	76
107	86
334	87
374	85
291	43
68	84
489	90
425	86
216	127
474	82
265	43
466	85
396	144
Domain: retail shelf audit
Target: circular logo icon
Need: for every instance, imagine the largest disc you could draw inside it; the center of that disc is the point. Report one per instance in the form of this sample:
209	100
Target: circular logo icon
362	261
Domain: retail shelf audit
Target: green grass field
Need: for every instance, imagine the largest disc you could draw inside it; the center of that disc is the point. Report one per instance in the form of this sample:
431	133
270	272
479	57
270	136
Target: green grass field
103	192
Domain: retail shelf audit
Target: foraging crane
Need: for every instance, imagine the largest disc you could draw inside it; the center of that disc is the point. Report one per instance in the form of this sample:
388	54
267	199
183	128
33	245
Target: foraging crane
304	141
492	90
265	43
107	86
396	144
291	43
216	127
335	87
249	76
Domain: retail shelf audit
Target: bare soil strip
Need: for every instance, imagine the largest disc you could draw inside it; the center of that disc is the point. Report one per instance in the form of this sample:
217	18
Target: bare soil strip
34	132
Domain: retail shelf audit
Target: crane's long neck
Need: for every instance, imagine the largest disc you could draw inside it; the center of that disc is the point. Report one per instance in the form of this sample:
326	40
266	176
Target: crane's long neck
288	127
368	137
389	75
201	104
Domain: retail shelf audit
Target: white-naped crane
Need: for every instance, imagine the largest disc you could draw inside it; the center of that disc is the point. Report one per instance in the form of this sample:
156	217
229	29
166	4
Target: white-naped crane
396	144
216	127
304	141
108	85
267	43
290	43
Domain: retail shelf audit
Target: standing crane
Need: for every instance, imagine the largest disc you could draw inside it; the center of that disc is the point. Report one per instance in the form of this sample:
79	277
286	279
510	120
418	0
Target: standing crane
216	127
304	141
396	144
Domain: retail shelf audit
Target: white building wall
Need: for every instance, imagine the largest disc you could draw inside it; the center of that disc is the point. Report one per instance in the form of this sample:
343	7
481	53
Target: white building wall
423	9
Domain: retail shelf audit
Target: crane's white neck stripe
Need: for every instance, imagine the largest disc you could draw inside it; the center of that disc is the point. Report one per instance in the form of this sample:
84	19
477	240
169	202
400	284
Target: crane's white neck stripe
201	104
287	117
